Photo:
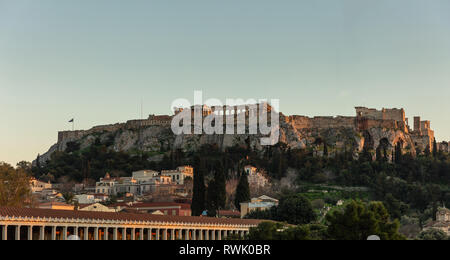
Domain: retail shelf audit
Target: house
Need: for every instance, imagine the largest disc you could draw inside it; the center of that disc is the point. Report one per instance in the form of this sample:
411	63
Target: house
180	174
442	221
39	186
85	198
106	184
97	207
261	203
144	175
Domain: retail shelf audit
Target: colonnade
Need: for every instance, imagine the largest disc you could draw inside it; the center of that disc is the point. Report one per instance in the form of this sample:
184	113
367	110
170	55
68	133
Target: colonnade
34	231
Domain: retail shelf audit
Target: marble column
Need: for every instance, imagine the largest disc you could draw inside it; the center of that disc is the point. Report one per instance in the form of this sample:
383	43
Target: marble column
150	234
53	232
42	233
86	233
165	234
75	231
157	233
141	234
115	233
96	233
17	235
30	232
133	234
124	234
106	236
64	235
5	232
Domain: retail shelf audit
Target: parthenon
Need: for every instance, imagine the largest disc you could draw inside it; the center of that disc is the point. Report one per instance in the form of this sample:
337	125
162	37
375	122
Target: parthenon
41	224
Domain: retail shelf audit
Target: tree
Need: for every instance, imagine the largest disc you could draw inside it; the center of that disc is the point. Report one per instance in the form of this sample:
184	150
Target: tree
295	209
216	195
433	234
211	199
278	231
68	197
242	191
325	149
25	166
199	190
359	221
435	148
14	187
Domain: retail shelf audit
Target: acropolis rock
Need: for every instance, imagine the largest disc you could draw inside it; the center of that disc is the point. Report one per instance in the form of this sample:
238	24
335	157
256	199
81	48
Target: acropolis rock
369	128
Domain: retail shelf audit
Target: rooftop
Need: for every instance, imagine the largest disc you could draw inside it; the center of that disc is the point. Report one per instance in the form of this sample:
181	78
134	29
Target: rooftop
113	216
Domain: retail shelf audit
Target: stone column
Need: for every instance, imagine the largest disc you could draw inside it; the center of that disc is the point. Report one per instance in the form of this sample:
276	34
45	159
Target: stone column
86	233
96	233
64	235
141	234
53	232
186	234
42	233
30	232
172	234
200	234
220	235
194	234
75	229
207	234
180	234
157	233
133	234
5	232
150	234
165	234
106	236
17	235
115	233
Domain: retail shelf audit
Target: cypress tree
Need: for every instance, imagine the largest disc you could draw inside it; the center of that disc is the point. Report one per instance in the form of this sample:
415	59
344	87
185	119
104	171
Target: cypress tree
220	183
242	191
435	150
211	199
199	190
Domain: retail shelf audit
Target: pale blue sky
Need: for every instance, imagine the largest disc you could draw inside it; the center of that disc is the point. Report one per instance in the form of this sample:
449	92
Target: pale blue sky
96	59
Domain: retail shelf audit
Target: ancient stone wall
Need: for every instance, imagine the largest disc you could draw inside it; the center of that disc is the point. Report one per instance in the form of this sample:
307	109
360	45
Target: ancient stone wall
394	114
333	122
369	113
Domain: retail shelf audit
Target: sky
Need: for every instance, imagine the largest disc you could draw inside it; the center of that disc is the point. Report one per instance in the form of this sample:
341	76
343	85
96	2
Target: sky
97	60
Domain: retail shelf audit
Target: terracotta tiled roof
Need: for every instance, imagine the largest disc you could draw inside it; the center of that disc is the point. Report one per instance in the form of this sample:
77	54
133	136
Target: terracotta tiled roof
48	213
229	213
153	205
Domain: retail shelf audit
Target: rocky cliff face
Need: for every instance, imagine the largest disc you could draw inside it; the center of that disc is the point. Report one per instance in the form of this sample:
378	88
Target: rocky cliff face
158	139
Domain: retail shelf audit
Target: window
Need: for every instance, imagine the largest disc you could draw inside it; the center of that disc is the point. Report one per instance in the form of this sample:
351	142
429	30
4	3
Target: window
174	212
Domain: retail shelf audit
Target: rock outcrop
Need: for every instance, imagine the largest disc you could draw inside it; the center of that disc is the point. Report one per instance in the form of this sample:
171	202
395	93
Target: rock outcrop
369	130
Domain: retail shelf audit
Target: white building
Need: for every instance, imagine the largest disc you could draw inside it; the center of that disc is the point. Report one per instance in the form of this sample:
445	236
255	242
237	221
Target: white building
85	198
261	203
180	174
144	175
39	186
